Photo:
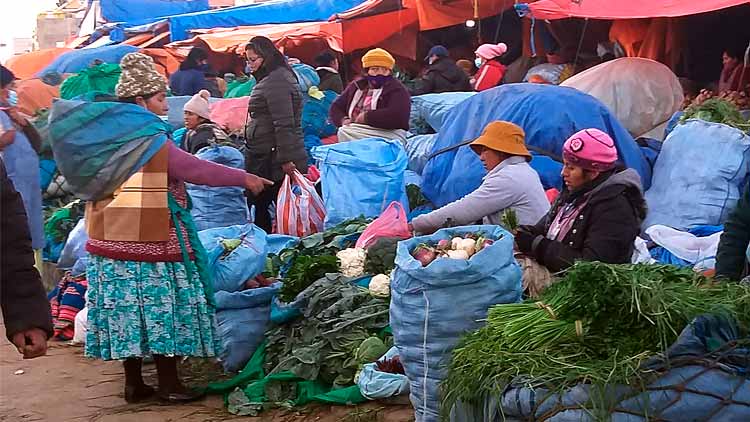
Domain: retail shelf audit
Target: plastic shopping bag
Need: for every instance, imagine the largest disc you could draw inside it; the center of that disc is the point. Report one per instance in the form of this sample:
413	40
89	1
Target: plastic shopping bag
299	210
392	223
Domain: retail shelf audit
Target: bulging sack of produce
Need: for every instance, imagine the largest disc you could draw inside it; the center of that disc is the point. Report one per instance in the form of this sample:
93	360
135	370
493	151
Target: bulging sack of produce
299	210
384	378
392	223
433	305
242	319
219	206
235	255
432	108
699	175
361	178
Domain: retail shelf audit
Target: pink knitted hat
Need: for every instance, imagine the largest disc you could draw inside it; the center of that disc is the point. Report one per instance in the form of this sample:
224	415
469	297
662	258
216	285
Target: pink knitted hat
490	51
591	149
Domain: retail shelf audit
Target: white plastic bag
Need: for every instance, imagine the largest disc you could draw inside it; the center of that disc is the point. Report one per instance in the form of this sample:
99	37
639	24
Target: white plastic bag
696	250
81	326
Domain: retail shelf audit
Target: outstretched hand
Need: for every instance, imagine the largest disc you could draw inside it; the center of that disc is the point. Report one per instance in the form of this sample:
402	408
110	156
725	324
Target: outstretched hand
256	184
289	168
31	343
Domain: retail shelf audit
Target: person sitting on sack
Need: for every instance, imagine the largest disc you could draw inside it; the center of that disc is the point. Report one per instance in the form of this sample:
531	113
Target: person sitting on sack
201	131
374	106
442	75
597	215
510	184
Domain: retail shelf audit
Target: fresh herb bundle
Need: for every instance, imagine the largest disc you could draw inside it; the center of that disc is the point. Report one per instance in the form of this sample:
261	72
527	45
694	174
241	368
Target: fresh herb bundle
717	110
597	325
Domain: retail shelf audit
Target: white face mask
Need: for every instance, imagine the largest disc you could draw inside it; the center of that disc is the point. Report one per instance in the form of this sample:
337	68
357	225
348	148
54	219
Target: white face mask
478	62
12	98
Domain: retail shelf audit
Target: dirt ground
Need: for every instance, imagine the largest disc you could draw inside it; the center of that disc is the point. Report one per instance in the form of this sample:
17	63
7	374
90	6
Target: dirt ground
64	386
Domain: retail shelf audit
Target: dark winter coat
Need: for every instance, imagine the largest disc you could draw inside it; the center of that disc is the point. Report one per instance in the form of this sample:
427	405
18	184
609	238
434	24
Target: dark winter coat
329	80
274	131
204	135
392	109
22	297
604	230
187	82
444	75
731	259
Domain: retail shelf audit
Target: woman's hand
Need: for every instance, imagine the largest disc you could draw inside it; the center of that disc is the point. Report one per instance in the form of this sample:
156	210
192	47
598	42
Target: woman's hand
524	240
346	122
256	184
31	343
289	168
361	118
17	117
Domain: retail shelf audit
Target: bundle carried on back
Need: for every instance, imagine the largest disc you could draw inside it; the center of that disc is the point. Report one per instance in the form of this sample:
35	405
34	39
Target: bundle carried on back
98	146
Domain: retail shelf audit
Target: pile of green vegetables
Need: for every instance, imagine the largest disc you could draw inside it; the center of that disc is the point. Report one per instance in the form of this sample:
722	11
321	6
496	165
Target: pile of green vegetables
337	334
717	110
596	325
312	258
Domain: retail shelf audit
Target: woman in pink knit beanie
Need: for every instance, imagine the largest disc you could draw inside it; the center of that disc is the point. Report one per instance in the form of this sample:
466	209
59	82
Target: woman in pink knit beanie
598	214
491	71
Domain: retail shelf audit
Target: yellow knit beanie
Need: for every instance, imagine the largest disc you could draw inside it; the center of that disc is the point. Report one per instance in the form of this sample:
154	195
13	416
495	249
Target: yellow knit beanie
378	57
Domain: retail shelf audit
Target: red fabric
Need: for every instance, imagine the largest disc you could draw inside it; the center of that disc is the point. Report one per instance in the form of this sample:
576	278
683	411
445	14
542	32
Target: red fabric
333	139
608	9
489	75
552	194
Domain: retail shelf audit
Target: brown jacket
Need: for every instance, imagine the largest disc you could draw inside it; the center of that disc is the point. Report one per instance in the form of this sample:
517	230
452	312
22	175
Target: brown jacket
24	302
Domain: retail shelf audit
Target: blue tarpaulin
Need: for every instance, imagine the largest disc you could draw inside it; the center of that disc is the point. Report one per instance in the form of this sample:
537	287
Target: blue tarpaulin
548	114
76	60
140	10
269	12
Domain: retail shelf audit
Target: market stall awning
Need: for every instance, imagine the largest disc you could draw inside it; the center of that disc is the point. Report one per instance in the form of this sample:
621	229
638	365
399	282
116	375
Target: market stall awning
443	13
342	35
137	10
27	65
608	9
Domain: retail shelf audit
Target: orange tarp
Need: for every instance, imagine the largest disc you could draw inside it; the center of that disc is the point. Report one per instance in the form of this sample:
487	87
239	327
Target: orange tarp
443	13
657	39
343	36
609	9
27	65
166	63
33	95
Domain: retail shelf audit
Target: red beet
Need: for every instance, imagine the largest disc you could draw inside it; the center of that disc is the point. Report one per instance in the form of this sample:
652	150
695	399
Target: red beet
424	254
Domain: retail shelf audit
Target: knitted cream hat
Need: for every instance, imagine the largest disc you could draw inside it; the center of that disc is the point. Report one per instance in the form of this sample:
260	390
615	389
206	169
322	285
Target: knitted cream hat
199	104
139	77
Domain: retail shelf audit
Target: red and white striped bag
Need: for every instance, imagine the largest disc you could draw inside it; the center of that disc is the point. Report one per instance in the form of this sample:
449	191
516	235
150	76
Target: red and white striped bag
299	212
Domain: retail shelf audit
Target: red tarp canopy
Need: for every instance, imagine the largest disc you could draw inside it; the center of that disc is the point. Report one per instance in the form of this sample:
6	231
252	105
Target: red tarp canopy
344	36
444	13
609	9
27	65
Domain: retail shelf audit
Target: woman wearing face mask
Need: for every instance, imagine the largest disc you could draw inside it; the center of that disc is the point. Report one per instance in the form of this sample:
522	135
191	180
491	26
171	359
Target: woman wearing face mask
598	214
21	160
149	292
491	71
376	105
274	132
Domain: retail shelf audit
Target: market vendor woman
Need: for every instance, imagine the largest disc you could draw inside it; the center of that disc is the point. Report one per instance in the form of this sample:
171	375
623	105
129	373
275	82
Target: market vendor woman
598	214
147	293
510	184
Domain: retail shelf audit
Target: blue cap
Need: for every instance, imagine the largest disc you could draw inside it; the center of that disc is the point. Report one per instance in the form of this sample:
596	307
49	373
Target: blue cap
439	51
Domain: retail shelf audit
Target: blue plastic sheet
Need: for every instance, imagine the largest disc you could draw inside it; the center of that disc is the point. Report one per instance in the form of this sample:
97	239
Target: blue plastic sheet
426	325
278	11
231	270
374	384
418	150
548	114
699	175
431	109
219	206
140	10
361	178
242	319
76	60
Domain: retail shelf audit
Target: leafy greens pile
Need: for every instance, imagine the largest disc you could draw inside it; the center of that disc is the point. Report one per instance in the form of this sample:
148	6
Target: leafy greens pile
597	325
312	258
717	110
335	336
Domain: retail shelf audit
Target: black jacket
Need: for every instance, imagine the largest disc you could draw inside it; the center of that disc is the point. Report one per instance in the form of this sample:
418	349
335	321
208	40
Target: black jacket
24	302
274	131
604	230
444	75
204	135
730	258
330	81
